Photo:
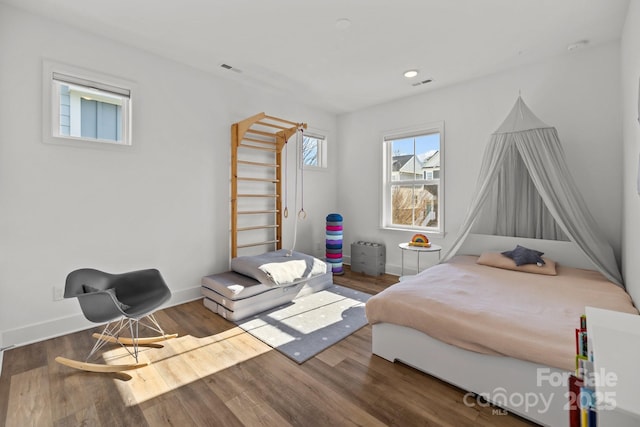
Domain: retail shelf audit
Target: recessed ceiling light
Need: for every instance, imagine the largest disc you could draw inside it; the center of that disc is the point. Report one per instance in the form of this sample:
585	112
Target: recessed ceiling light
410	73
343	23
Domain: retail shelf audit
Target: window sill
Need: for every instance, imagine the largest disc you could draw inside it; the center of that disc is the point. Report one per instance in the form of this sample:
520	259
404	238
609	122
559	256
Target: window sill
438	234
85	143
308	168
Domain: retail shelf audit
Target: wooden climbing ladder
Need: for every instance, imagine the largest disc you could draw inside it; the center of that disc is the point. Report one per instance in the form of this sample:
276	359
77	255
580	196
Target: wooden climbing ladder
257	144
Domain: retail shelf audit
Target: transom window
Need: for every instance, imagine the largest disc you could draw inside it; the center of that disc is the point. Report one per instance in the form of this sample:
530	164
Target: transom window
413	191
314	151
86	110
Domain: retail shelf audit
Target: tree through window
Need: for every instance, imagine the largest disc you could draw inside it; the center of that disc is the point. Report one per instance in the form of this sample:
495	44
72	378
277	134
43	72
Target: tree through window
314	151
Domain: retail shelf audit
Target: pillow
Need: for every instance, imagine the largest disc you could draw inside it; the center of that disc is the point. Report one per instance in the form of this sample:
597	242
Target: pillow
90	289
496	259
522	256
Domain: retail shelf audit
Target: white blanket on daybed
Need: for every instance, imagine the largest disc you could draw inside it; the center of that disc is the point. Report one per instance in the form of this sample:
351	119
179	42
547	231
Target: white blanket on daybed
494	311
279	268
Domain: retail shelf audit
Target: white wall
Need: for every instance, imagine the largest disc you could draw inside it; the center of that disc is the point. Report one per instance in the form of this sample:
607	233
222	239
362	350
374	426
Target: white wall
162	204
630	54
578	93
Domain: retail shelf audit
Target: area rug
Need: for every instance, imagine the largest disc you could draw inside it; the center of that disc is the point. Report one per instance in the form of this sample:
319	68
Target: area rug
310	324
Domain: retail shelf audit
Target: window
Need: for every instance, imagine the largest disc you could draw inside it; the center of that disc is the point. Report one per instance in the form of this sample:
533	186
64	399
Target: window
413	191
314	151
85	110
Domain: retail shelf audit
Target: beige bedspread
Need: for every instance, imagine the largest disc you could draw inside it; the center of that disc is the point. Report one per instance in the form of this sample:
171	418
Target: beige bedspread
493	311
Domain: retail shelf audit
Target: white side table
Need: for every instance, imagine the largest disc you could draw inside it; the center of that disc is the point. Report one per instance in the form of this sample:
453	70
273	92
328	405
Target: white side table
407	247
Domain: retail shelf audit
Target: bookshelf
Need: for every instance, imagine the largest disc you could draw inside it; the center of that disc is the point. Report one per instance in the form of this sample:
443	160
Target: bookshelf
615	341
582	391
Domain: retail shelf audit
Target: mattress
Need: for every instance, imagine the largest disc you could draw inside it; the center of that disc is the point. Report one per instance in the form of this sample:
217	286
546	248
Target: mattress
499	312
235	296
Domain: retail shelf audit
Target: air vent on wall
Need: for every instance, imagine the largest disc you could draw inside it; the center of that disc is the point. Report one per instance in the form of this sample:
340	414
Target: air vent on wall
423	82
229	67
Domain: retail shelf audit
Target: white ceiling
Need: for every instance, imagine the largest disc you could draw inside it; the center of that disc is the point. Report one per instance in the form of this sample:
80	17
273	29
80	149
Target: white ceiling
295	45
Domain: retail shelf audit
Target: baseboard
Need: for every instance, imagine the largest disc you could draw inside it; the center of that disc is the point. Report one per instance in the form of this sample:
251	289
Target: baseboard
65	325
3	348
392	269
1	353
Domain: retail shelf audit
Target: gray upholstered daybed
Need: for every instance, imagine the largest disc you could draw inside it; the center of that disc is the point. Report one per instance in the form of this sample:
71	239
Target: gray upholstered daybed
258	283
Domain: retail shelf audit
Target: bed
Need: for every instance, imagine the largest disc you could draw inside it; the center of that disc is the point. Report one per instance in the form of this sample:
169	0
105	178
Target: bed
260	282
516	354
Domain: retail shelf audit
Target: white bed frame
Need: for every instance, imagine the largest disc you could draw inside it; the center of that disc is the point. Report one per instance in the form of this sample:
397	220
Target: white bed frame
536	392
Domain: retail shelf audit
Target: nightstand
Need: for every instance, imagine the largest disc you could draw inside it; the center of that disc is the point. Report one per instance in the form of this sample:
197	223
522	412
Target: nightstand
407	247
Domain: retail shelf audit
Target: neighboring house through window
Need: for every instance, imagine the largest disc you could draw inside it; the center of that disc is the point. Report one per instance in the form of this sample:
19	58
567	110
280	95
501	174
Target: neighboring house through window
413	192
90	114
86	108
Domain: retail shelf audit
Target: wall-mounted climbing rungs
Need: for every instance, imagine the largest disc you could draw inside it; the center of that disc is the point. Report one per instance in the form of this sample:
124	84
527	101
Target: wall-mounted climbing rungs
258	142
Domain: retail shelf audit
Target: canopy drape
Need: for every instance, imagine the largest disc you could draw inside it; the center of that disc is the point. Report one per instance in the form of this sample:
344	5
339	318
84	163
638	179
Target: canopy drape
524	138
514	206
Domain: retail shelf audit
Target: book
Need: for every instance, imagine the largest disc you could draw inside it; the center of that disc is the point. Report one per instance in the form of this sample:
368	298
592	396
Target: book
592	418
587	397
580	365
582	393
574	395
582	342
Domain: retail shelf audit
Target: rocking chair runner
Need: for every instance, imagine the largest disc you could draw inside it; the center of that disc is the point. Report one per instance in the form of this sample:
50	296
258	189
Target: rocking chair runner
124	300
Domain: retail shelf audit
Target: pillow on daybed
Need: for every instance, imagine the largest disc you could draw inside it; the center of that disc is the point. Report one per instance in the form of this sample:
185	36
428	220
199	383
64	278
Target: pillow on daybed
522	255
496	259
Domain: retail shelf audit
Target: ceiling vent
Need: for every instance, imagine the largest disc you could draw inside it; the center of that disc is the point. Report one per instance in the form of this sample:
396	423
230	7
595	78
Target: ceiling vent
423	82
230	68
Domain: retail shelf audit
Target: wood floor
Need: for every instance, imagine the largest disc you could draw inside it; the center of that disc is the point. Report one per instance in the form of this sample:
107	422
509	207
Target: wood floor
214	374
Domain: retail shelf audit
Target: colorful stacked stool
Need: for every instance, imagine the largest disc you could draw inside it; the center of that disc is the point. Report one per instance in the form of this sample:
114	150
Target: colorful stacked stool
334	242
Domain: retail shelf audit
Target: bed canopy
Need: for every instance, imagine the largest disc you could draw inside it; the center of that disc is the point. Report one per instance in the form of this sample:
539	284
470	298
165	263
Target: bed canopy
525	189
